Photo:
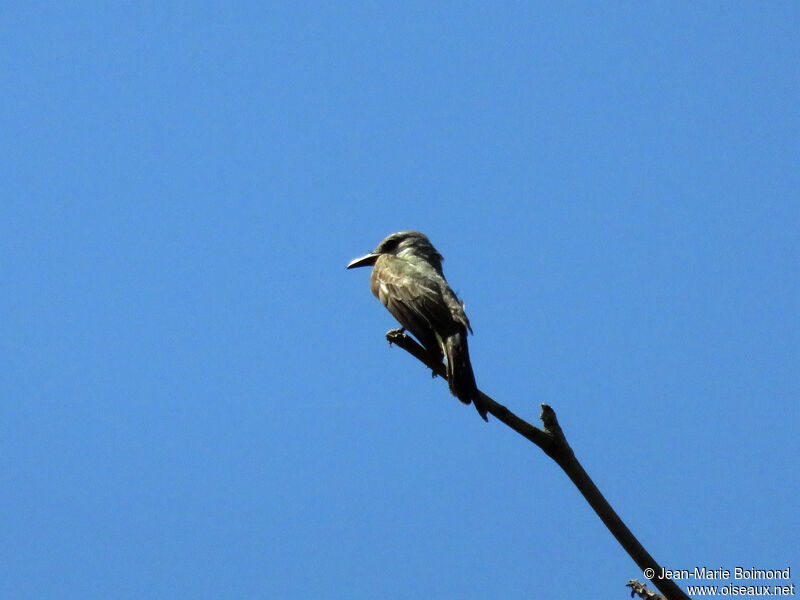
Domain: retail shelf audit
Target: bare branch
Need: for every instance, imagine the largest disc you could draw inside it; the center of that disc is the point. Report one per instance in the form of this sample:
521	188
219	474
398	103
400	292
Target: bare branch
554	443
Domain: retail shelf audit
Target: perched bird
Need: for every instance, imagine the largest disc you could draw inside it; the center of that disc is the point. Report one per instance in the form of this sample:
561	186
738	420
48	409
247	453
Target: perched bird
407	278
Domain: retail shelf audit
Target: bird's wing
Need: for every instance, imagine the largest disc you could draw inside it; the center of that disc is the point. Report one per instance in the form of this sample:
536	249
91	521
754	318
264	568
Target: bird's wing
413	294
456	307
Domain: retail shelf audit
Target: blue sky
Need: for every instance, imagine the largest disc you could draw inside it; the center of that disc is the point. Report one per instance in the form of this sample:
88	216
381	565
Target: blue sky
197	398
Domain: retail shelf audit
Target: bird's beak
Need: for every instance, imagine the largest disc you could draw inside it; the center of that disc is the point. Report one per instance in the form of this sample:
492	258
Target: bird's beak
364	261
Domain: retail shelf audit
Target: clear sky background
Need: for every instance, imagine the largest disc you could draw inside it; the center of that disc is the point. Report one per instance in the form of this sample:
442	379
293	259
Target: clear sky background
196	398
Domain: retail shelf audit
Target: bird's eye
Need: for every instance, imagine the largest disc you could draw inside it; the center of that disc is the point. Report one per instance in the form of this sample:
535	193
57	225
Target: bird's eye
390	245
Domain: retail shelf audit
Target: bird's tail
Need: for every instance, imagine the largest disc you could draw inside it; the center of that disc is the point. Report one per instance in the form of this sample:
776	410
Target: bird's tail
459	372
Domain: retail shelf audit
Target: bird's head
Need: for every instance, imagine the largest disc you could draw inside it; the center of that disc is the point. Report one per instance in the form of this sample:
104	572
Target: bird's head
405	244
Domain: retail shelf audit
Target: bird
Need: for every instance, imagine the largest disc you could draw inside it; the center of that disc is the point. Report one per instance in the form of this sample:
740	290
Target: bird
407	278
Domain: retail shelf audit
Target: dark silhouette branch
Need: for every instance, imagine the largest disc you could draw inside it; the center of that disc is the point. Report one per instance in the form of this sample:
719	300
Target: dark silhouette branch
553	442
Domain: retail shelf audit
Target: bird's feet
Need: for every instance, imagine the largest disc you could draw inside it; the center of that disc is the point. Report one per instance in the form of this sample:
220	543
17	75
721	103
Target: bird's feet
393	334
